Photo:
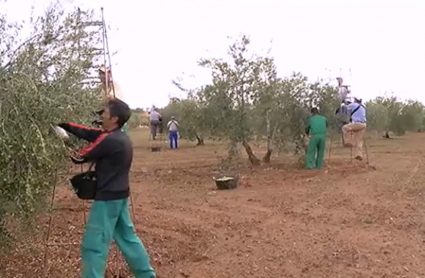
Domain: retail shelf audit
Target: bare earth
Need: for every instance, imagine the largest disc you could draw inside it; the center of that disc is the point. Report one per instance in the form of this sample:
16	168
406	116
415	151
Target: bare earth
344	221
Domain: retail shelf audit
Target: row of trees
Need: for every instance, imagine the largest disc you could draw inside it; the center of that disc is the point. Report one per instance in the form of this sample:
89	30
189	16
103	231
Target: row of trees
388	114
247	102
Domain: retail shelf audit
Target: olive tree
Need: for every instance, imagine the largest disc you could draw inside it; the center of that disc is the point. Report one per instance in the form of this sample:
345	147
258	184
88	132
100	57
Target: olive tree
388	114
289	101
234	86
41	84
413	115
190	116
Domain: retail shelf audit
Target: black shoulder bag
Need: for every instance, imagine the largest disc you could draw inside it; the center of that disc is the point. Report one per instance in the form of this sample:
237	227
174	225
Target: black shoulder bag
85	184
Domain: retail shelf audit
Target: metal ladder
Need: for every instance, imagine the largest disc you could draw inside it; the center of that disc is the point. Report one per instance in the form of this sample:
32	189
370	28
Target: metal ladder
103	52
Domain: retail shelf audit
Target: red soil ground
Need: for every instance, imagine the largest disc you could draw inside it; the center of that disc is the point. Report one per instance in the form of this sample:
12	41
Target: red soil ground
344	221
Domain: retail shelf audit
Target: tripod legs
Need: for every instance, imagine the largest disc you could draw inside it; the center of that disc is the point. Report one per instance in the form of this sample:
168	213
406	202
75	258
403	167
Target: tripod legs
367	153
330	149
351	148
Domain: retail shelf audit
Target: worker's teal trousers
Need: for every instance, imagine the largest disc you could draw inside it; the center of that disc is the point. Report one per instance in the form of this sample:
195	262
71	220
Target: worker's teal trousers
111	220
316	151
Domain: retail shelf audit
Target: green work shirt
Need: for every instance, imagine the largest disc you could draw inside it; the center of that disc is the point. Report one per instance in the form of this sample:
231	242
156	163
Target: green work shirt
317	124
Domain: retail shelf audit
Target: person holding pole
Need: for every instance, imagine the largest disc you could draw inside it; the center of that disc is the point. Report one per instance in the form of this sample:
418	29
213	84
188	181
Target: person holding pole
353	132
317	129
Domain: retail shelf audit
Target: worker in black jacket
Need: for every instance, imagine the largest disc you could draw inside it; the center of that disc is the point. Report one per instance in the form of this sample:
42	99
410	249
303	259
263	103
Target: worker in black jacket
112	152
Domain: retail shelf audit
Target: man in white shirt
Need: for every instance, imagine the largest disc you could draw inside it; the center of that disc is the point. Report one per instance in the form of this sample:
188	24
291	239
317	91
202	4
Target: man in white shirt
155	119
173	132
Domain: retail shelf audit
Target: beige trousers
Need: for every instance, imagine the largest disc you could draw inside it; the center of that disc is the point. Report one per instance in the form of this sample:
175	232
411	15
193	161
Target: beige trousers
353	136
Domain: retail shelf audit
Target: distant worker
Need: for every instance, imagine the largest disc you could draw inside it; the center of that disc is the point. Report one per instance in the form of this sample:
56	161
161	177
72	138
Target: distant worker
155	121
173	132
343	90
354	131
344	100
110	89
341	112
317	129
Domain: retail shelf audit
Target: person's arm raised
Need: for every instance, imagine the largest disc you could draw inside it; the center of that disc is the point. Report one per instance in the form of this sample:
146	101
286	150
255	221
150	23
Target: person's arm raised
102	147
82	132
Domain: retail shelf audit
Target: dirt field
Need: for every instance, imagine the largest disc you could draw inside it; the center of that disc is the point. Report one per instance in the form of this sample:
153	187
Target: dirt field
344	221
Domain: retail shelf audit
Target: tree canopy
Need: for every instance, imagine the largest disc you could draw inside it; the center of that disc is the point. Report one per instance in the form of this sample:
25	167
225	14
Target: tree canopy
41	84
248	101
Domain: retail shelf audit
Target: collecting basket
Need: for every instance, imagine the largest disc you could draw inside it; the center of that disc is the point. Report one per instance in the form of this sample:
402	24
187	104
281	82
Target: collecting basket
226	182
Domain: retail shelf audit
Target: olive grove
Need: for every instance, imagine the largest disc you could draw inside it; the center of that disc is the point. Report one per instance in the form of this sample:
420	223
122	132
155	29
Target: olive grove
388	114
41	84
247	102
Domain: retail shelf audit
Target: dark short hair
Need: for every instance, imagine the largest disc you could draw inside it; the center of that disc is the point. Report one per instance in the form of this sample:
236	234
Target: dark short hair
119	109
314	110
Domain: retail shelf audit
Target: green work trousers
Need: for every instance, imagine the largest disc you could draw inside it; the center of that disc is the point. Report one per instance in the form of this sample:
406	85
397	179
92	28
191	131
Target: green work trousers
111	220
316	151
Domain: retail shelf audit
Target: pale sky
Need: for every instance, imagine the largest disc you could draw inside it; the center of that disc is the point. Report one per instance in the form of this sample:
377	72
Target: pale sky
382	42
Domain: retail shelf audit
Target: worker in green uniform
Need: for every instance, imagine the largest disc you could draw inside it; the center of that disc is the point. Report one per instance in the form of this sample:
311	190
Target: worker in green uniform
317	129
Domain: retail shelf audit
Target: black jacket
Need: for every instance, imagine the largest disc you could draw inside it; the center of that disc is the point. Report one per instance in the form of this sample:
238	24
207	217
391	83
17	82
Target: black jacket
112	152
